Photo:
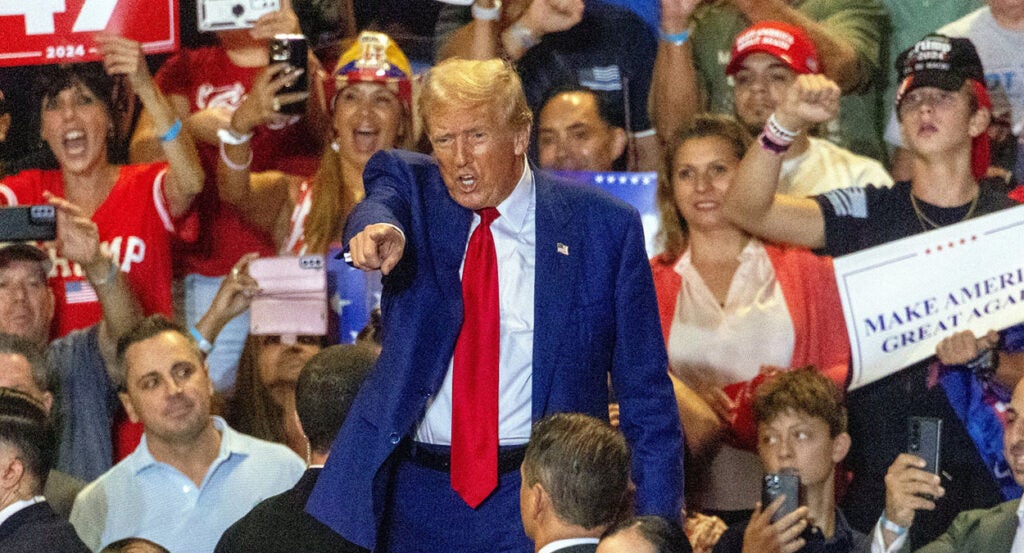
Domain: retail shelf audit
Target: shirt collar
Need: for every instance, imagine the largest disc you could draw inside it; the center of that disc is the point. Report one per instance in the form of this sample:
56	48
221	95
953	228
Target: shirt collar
230	443
1020	513
518	204
559	544
9	511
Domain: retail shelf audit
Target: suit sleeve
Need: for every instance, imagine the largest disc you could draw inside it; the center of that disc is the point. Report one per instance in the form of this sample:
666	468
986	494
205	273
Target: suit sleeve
389	181
648	414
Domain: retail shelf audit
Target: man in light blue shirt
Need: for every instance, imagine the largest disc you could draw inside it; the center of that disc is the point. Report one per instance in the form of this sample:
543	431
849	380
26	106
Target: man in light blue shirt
191	476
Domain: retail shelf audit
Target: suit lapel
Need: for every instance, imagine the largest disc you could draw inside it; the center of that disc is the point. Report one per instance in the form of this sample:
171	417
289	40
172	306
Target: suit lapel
447	233
559	259
999	536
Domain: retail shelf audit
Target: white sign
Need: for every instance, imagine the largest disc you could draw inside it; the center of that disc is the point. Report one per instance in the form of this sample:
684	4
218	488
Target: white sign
902	298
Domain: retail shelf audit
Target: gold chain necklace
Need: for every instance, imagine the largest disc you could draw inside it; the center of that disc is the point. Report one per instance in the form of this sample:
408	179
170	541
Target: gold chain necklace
928	224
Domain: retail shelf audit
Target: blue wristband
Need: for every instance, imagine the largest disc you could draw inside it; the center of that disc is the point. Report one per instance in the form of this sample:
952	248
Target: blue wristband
678	39
204	345
172	132
892	526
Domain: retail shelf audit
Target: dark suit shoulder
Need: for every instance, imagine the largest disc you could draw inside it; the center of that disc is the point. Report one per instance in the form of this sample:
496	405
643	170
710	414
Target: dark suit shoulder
281	524
37	528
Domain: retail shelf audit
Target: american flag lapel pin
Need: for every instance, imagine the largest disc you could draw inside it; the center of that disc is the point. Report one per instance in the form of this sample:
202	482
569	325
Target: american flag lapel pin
563	249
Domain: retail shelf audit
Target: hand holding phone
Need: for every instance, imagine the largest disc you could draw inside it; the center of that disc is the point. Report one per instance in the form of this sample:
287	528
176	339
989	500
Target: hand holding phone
785	482
293	50
923	439
26	223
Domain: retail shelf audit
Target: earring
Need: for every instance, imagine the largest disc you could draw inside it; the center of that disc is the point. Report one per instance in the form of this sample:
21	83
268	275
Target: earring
335	146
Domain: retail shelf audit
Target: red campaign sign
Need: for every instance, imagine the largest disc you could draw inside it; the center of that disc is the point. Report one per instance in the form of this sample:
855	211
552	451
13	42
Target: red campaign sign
59	31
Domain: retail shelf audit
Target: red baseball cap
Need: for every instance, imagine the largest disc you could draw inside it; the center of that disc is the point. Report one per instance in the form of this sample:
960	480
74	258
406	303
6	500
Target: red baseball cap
787	42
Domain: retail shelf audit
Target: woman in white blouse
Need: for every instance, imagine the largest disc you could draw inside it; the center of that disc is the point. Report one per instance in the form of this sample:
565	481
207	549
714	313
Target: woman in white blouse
729	306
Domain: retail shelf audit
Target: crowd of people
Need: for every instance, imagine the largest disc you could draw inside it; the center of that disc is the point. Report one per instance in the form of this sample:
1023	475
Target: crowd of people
531	380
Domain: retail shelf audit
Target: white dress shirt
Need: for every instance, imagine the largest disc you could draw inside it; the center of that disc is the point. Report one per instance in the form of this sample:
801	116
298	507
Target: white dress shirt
9	511
878	541
562	544
515	236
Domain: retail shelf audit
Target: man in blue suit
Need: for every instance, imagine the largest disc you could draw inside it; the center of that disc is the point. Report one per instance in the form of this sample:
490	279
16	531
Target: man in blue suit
575	303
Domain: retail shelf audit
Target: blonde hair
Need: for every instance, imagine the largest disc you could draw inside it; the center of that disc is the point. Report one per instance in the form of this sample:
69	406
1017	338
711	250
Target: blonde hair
467	84
332	199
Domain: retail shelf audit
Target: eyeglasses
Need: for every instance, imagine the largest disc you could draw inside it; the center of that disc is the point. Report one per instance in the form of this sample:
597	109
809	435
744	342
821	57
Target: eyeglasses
937	99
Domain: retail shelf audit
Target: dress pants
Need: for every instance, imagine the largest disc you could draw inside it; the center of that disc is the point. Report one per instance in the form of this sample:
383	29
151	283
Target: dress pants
424	514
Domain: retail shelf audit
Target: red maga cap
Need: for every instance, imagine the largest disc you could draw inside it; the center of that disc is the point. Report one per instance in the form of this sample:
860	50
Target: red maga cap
787	42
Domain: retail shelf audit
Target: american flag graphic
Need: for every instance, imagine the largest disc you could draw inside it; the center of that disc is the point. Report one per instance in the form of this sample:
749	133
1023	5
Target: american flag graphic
79	291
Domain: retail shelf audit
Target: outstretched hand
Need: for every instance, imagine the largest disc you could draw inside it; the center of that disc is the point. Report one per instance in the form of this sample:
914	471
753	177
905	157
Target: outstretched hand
236	291
260	106
123	56
675	14
906	488
963	346
809	100
78	237
378	246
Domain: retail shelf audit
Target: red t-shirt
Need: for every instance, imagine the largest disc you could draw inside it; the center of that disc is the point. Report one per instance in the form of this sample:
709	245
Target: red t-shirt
135	226
208	79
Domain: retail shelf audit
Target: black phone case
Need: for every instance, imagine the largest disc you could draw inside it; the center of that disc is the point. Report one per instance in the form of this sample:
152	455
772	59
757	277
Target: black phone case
28	223
924	436
775	485
294	50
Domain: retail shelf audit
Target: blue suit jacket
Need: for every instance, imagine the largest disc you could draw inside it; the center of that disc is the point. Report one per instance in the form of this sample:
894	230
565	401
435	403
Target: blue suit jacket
595	312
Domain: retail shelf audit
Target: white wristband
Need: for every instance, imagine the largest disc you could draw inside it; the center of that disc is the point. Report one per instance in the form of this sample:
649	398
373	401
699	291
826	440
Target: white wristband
486	14
231	136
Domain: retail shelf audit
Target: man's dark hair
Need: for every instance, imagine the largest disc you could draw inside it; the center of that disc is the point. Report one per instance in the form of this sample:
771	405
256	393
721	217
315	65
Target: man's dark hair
11	344
802	390
122	545
583	464
325	389
663	535
25	426
609	111
145	329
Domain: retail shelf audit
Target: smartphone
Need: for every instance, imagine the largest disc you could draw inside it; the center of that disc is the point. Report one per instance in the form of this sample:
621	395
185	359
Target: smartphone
223	15
923	439
785	482
26	223
292	299
293	49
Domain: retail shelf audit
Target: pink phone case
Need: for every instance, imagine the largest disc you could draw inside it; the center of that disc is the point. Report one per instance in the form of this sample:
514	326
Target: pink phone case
293	296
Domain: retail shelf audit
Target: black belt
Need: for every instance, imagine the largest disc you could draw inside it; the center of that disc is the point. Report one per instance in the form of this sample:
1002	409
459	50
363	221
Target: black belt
439	457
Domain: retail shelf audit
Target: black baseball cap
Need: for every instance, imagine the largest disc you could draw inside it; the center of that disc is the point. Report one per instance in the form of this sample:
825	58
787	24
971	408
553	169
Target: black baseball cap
20	251
938	61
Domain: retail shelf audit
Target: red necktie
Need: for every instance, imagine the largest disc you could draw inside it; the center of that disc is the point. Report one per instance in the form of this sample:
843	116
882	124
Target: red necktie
475	370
